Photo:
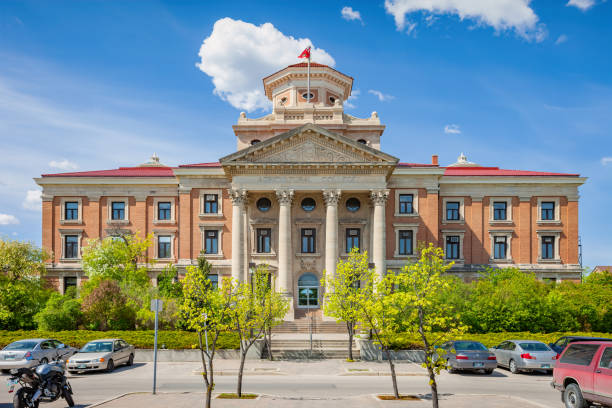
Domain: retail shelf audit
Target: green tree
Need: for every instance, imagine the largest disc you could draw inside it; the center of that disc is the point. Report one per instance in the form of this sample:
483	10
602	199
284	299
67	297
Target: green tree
258	308
209	309
62	312
344	293
105	307
23	291
416	296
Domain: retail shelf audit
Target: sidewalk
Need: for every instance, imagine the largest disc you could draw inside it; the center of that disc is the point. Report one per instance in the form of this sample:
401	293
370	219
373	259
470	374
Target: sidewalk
190	400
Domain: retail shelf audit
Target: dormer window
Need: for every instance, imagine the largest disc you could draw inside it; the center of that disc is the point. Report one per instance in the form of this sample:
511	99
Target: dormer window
305	95
255	141
362	141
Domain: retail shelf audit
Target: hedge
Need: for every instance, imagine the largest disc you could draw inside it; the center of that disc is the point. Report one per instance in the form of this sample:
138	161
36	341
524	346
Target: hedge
493	339
140	338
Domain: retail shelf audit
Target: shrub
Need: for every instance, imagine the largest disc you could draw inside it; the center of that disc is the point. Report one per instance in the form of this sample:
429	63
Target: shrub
60	313
105	307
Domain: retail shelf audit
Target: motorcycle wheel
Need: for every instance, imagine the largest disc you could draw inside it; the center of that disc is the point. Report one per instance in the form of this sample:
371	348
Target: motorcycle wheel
68	398
19	400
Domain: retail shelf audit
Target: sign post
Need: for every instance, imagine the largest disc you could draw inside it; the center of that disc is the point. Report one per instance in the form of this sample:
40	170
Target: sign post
156	306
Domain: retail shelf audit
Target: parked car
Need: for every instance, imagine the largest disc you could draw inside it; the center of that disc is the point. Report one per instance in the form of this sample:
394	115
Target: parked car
103	354
32	352
524	355
468	355
584	374
559	345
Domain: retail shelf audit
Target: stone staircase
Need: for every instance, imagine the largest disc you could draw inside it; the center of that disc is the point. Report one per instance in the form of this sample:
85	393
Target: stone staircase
303	326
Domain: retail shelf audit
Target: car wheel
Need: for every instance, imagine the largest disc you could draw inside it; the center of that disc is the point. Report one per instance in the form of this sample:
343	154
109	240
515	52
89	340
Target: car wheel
488	371
43	360
130	360
513	368
110	366
573	397
451	370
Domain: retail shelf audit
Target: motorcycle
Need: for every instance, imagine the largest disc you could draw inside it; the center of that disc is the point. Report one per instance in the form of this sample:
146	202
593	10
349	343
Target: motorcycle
44	383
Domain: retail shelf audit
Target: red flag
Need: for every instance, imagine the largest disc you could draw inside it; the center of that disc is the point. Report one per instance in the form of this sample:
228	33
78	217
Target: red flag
305	53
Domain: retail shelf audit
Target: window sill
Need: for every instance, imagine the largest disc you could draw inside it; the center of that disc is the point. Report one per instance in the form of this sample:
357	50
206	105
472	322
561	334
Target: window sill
213	256
549	261
71	222
315	254
406	215
453	221
500	261
163	222
210	215
546	222
501	222
70	260
456	261
263	254
164	259
411	256
118	222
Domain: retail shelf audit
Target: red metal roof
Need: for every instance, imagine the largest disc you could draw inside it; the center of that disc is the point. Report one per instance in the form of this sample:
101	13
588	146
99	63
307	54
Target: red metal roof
213	164
496	171
120	172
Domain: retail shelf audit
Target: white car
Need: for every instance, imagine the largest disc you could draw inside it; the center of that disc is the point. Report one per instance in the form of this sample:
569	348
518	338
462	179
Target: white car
103	354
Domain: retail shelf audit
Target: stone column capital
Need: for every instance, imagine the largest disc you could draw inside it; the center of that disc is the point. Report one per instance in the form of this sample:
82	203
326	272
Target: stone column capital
284	197
239	197
379	197
331	197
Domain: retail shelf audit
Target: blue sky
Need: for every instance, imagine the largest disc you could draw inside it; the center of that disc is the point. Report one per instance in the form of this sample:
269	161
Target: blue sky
512	83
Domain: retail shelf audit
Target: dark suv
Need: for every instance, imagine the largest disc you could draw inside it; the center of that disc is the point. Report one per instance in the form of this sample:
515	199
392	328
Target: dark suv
559	345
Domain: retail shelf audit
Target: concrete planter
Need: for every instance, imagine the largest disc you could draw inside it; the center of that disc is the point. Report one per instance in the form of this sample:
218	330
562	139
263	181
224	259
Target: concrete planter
186	356
372	352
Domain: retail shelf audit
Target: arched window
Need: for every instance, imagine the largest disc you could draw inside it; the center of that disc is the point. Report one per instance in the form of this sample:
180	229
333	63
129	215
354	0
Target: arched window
308	291
255	141
363	141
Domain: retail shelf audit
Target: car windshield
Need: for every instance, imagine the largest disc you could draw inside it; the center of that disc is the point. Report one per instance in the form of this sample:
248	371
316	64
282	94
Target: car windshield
21	345
534	347
469	346
97	347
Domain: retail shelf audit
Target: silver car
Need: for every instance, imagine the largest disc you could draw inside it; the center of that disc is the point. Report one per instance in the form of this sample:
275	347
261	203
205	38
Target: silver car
525	355
32	352
103	354
468	355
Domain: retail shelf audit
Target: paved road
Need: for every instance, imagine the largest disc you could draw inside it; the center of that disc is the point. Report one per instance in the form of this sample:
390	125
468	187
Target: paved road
308	380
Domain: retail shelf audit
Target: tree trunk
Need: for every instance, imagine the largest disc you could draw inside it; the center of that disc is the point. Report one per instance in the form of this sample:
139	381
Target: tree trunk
269	343
349	327
243	352
204	371
211	383
434	387
393	377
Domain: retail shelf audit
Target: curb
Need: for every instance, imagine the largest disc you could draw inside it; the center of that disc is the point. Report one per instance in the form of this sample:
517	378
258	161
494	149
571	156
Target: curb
116	397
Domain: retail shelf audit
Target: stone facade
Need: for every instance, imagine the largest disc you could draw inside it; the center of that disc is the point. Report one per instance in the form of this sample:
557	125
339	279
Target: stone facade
306	182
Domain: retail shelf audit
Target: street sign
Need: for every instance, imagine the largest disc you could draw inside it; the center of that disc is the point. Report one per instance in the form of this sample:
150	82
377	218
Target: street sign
157	305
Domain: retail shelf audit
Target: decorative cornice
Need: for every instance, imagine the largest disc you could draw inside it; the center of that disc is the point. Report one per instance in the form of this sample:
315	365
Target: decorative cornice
284	197
379	197
331	197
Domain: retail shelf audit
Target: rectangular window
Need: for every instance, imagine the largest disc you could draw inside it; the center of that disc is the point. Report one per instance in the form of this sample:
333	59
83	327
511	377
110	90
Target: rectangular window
117	210
499	210
70	282
211	244
163	246
71	246
405	203
263	240
353	238
606	358
214	280
548	247
548	210
71	210
405	242
308	240
211	203
499	247
579	354
452	210
452	247
164	210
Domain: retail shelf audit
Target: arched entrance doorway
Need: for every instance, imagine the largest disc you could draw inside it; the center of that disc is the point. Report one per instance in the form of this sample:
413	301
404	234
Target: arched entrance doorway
308	291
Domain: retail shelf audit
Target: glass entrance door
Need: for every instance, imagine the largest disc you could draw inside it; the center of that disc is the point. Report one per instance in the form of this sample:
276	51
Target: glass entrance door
308	291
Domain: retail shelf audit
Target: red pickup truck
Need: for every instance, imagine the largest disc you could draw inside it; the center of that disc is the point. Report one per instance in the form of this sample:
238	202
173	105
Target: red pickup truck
583	374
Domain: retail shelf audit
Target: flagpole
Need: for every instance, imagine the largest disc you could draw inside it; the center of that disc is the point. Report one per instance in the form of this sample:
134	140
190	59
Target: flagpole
308	91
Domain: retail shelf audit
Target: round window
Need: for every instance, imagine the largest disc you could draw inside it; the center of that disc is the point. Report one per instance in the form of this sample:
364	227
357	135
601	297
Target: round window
264	204
255	141
308	204
353	204
305	95
332	99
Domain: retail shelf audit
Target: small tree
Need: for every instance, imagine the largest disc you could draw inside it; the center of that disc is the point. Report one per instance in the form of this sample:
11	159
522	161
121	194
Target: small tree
344	294
258	308
206	308
416	294
106	307
62	312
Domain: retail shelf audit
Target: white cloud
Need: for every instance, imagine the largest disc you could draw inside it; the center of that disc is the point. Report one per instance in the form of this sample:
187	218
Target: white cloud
502	15
606	160
237	55
63	165
354	95
32	200
452	129
349	14
561	39
381	96
7	219
583	5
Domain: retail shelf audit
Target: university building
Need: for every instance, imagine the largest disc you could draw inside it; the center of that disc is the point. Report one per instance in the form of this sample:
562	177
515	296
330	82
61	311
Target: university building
307	183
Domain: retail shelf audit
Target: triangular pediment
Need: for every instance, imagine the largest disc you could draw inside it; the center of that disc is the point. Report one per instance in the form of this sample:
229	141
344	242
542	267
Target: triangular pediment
309	145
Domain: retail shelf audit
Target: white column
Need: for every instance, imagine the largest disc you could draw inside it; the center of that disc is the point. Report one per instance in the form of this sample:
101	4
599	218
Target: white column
379	199
238	200
331	198
285	281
